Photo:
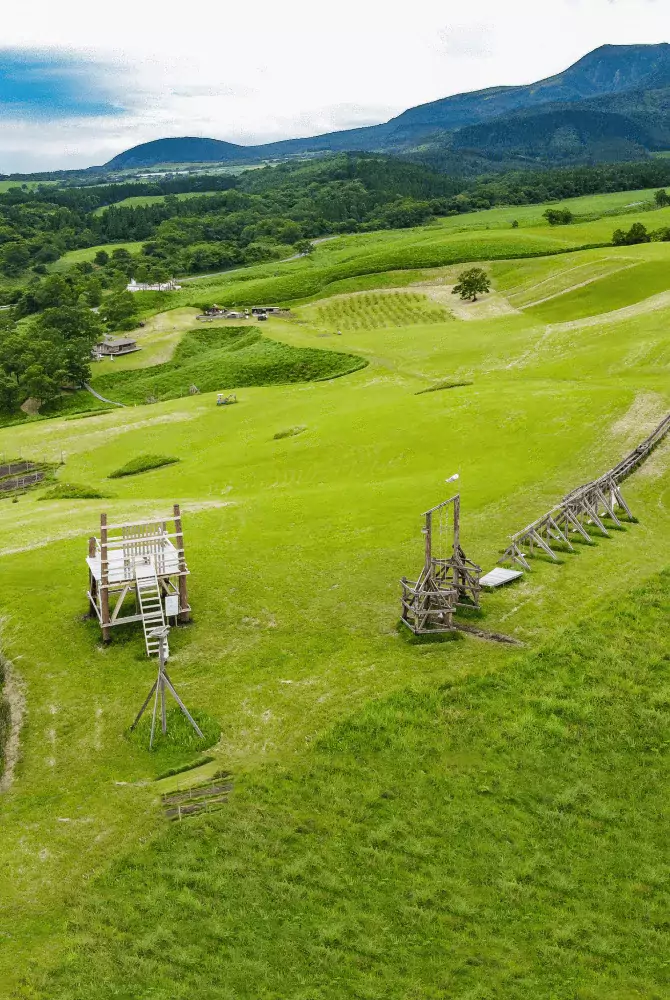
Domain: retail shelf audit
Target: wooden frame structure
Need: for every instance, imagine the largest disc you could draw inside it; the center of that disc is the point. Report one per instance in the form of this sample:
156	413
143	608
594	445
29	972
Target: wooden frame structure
144	560
590	505
448	579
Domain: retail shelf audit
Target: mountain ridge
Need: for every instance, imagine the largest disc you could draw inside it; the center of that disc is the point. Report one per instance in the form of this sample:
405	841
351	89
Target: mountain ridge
604	75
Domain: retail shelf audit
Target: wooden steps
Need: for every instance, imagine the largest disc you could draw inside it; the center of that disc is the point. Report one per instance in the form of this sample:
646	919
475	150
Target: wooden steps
151	606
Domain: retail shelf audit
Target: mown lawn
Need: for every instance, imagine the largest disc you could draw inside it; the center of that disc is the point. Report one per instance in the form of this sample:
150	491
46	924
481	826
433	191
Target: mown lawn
224	358
497	836
414	821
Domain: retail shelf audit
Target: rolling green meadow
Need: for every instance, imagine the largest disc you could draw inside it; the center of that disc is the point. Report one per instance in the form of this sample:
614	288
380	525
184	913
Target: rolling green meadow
408	820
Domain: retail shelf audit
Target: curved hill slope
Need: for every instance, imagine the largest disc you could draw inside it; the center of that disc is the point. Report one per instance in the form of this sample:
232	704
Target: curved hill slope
189	149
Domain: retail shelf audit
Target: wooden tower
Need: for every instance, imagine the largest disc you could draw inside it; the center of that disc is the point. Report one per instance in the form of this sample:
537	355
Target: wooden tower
140	562
448	579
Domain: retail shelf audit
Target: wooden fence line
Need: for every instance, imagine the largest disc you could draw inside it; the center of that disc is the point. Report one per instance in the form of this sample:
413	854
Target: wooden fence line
593	504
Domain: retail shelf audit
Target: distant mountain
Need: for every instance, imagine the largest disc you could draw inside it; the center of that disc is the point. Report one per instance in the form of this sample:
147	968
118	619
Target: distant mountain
186	150
603	97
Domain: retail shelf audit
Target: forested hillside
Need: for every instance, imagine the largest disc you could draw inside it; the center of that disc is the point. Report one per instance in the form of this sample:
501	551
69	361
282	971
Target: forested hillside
258	214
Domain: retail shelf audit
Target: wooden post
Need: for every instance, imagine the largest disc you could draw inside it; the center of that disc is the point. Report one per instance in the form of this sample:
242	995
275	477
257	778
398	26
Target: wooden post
104	580
428	532
184	614
457	523
161	675
92	583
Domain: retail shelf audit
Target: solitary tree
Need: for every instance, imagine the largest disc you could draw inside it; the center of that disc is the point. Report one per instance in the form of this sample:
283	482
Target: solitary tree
471	283
662	198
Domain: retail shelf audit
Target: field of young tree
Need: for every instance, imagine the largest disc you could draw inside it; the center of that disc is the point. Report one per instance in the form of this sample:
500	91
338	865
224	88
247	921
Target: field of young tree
407	820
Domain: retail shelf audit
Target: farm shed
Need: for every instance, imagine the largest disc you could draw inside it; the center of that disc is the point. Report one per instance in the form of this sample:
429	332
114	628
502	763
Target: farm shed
115	346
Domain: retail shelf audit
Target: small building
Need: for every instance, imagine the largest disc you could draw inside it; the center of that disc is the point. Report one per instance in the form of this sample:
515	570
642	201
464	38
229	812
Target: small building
114	347
157	286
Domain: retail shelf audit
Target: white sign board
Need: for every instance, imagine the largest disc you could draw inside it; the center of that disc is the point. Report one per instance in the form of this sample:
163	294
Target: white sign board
171	606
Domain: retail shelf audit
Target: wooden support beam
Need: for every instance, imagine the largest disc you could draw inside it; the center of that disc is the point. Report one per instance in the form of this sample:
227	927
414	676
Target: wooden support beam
104	581
92	582
556	533
590	511
609	507
184	613
428	532
569	517
617	498
536	537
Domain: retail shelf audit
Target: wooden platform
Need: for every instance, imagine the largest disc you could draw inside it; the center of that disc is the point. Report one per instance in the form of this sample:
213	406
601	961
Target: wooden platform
498	577
123	563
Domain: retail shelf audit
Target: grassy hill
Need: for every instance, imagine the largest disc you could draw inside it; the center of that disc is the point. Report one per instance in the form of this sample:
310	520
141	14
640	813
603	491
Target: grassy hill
407	820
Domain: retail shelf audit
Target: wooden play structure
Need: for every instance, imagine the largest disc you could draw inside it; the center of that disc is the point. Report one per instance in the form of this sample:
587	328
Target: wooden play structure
143	563
448	579
589	506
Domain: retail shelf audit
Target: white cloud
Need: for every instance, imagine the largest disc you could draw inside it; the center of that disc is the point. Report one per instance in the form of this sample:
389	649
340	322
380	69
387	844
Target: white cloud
250	72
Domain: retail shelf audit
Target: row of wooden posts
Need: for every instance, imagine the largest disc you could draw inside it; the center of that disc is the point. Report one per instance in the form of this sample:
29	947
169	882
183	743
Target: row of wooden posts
588	505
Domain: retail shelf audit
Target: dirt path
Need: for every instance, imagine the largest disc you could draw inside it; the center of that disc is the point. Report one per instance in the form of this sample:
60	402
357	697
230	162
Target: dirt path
14	692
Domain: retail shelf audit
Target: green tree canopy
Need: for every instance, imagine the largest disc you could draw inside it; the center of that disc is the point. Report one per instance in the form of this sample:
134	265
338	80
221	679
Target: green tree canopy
471	283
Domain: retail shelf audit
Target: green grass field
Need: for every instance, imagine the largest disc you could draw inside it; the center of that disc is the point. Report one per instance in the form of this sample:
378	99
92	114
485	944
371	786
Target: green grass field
30	185
149	199
224	358
88	253
408	821
363	261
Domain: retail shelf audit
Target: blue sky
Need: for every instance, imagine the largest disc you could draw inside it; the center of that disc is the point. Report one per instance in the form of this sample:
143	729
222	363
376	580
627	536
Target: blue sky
45	85
80	83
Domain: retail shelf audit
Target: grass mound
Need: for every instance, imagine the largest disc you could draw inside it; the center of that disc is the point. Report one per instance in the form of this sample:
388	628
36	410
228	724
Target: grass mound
181	740
289	432
143	463
497	836
225	358
71	491
375	311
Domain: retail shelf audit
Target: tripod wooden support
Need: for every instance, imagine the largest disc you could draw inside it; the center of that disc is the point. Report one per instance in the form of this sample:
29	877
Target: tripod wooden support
158	691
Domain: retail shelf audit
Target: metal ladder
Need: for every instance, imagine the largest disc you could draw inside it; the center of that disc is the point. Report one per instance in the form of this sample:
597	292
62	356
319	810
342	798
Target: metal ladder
151	607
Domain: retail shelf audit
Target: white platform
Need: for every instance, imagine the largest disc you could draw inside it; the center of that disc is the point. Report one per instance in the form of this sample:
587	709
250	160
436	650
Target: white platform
165	559
497	577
